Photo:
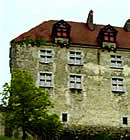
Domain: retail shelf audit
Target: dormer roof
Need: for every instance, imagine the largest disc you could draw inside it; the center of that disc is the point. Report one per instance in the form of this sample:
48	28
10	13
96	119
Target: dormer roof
108	28
62	24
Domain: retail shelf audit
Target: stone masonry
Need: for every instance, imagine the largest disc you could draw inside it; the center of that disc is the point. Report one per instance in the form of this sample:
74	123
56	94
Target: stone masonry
95	104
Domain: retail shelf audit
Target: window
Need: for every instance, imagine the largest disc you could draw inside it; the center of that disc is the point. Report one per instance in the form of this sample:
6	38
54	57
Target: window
75	58
109	37
61	32
61	29
116	61
118	84
125	120
64	117
75	81
45	80
45	56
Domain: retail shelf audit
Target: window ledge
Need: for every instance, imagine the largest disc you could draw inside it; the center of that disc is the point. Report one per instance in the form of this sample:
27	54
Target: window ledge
45	62
75	88
75	64
116	67
118	91
46	87
124	125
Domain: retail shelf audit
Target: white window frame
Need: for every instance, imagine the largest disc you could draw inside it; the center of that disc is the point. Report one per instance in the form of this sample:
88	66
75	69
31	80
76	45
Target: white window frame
119	82
75	57
116	61
75	81
45	79
46	56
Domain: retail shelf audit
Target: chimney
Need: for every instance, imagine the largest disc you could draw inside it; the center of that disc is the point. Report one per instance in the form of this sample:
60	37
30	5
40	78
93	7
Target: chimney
90	20
127	25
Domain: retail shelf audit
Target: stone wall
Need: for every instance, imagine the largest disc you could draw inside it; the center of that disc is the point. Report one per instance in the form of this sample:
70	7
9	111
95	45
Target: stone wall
95	104
2	129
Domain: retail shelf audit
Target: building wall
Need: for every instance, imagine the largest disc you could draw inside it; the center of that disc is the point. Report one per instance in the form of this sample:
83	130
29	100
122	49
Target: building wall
95	104
2	129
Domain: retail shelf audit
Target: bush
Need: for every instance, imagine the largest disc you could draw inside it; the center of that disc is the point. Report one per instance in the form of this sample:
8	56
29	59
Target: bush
7	138
102	136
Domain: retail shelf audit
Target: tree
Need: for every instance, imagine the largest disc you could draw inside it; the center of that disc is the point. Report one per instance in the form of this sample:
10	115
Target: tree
25	106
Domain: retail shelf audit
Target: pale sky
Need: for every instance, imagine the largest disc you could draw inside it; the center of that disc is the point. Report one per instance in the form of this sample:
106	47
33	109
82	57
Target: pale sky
18	16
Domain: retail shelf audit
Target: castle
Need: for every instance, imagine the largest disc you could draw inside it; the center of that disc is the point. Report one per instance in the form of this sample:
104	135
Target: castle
85	67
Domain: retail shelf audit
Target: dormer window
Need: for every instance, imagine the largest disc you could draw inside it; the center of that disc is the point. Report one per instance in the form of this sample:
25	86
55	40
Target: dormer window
107	34
107	38
61	32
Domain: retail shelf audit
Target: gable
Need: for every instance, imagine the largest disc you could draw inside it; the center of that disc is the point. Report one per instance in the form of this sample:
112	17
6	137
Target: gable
109	28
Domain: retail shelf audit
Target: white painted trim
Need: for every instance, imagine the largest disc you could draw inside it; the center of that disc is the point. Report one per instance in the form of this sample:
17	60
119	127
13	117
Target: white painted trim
82	57
46	49
44	72
122	62
124	84
81	81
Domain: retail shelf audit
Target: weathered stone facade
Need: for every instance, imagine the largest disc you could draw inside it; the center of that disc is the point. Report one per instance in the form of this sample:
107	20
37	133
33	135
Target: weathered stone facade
95	104
2	129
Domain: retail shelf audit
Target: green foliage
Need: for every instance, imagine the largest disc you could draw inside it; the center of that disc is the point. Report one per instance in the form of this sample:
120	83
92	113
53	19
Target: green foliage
27	106
7	138
102	136
79	136
52	127
31	41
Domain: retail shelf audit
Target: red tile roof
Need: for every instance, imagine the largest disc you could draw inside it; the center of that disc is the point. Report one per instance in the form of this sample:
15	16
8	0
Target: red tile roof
79	34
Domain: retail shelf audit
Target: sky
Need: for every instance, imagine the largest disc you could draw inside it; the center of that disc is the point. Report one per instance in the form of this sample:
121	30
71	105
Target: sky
19	16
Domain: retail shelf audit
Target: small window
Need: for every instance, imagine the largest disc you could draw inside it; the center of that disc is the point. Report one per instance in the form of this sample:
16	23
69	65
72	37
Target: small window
116	61
112	39
75	82
45	56
109	37
58	34
64	117
105	38
45	80
125	120
75	58
118	84
61	32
